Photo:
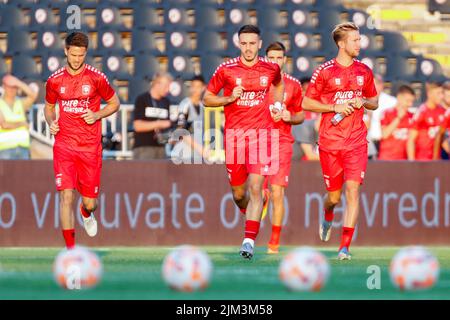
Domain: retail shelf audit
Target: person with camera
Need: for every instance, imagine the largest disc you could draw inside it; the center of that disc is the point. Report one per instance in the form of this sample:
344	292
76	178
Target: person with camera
152	119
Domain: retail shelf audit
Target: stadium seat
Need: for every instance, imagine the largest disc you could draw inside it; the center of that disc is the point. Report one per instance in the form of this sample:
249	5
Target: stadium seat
145	66
176	16
109	41
327	4
429	69
51	63
328	18
439	6
48	41
36	84
24	4
3	67
11	17
235	17
209	64
268	37
42	18
394	42
271	18
179	41
302	18
181	66
136	87
232	43
304	65
210	42
19	41
144	41
115	67
24	66
178	91
108	18
360	18
207	18
146	17
296	4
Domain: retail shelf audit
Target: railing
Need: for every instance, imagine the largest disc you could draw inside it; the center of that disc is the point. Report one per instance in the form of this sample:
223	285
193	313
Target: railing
119	126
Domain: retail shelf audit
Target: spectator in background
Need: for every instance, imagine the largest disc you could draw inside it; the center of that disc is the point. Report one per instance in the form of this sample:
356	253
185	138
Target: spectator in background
14	133
190	115
441	138
426	123
385	101
395	125
151	118
306	135
308	114
446	101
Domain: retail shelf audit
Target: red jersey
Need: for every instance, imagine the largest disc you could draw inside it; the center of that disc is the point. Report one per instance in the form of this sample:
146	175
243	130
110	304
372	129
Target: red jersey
426	121
293	102
332	83
74	95
394	146
251	110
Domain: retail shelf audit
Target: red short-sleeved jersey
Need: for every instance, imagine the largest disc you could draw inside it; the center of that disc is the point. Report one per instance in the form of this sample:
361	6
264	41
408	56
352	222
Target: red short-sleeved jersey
251	110
426	121
394	146
332	83
293	102
74	95
446	121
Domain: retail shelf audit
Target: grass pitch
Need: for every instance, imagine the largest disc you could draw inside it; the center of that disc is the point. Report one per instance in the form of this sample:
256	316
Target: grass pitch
135	273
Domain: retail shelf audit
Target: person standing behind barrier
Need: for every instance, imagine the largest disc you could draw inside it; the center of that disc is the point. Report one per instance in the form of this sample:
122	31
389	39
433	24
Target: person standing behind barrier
14	133
151	118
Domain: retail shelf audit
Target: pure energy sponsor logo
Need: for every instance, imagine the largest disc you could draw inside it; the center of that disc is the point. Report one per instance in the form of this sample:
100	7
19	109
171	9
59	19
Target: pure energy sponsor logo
75	106
251	98
342	97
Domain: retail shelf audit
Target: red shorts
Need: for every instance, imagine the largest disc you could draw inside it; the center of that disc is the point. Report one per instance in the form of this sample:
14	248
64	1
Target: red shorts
77	170
254	156
281	178
342	165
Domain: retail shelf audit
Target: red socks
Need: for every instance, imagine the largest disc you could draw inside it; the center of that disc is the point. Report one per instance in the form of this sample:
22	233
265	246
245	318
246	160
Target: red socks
275	238
69	238
347	235
84	212
329	215
251	229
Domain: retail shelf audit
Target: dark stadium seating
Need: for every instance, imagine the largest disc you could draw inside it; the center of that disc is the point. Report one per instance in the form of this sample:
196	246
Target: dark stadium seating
439	6
136	87
189	37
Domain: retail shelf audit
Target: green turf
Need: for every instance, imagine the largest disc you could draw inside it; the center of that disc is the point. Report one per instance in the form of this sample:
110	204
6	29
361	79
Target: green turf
135	273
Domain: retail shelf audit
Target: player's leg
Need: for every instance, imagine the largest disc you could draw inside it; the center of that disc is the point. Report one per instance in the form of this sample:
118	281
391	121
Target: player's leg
240	197
277	197
355	164
333	173
89	166
65	177
253	216
87	208
67	198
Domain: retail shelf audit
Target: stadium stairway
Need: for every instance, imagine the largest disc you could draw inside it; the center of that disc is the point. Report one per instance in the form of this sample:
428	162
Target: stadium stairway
427	34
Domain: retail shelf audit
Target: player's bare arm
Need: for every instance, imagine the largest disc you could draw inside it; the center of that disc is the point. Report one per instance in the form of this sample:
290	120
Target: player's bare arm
411	144
294	119
316	106
438	143
386	131
369	104
50	117
212	100
112	105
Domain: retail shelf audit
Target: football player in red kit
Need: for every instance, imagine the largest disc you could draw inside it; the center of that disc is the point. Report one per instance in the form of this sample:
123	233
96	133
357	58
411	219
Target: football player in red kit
77	153
340	89
291	114
246	81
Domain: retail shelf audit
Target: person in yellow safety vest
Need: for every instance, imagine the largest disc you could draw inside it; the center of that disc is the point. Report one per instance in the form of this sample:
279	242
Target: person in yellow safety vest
14	132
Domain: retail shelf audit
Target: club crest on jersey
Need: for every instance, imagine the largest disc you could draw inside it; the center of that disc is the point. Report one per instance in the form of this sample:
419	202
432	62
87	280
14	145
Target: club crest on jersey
337	81
62	90
85	89
360	80
263	81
